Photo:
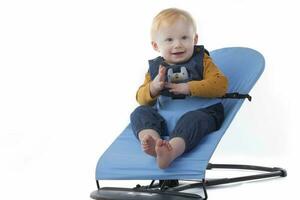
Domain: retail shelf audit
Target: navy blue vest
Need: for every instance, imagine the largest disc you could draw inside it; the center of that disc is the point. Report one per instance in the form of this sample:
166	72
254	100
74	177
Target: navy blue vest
194	67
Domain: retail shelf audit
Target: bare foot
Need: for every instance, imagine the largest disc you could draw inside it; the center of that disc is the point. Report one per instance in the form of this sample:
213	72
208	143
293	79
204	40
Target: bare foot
148	145
164	153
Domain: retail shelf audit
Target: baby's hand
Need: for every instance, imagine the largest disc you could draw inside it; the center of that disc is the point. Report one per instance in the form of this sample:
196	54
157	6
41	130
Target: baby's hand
178	88
158	82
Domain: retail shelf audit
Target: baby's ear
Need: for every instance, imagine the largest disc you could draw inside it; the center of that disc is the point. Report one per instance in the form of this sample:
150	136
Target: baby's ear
196	39
155	46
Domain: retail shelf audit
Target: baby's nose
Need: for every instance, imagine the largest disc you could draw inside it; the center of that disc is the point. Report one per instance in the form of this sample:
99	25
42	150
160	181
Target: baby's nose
177	44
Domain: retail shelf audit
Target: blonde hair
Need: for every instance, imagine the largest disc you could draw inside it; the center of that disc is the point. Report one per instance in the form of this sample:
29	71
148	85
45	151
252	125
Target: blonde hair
169	16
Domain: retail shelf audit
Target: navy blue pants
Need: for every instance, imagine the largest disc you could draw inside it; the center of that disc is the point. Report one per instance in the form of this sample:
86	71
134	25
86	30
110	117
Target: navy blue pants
191	127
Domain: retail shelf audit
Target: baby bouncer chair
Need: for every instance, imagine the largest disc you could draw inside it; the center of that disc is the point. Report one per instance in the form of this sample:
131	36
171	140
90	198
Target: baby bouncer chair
124	159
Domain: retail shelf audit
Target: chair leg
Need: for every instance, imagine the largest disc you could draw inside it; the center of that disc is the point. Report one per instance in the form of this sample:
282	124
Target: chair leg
270	172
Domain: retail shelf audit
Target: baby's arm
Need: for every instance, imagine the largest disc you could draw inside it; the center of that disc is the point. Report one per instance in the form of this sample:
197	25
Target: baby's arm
148	92
214	83
158	83
143	95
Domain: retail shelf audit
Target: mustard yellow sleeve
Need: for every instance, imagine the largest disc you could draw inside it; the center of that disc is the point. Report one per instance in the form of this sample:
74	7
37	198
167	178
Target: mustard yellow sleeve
143	95
214	83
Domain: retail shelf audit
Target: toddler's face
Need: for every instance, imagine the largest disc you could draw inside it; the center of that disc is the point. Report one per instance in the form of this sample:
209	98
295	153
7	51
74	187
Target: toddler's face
176	42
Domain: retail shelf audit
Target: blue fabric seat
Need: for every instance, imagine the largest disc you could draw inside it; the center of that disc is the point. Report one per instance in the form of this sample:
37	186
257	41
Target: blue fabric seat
124	160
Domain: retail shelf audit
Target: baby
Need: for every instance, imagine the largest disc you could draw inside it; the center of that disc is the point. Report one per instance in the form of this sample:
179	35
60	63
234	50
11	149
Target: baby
174	36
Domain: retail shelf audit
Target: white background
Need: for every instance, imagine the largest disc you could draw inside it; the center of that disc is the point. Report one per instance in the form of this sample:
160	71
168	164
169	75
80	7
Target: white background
69	71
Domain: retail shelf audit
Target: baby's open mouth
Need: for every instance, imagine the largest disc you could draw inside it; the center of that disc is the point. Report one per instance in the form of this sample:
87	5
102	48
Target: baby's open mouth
178	53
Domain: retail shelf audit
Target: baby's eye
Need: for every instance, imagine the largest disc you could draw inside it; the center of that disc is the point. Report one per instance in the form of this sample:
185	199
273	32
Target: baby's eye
169	40
184	37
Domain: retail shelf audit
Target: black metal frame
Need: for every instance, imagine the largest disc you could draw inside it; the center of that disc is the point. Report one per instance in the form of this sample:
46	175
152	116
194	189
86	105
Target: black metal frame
172	190
164	190
269	173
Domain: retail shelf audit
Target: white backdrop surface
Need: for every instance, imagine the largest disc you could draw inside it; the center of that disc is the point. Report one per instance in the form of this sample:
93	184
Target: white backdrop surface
69	71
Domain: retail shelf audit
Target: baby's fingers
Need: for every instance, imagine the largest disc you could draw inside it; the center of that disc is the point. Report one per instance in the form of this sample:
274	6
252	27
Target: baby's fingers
170	85
162	70
161	84
174	91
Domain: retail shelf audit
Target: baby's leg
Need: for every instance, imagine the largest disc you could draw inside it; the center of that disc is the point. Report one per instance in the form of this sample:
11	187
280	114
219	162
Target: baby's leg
148	138
147	125
192	127
188	132
167	151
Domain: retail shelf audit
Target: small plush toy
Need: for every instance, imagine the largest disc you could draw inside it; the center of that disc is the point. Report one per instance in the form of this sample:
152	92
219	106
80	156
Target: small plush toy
177	74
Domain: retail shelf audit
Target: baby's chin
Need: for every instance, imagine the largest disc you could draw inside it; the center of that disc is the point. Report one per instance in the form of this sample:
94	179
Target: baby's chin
176	61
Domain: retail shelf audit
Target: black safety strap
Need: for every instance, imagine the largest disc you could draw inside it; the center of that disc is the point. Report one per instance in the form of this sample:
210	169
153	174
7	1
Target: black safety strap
236	95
